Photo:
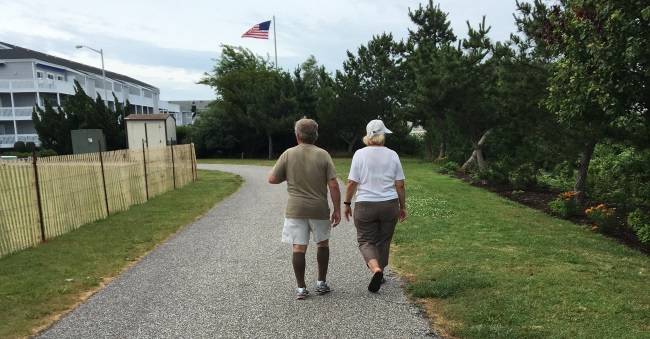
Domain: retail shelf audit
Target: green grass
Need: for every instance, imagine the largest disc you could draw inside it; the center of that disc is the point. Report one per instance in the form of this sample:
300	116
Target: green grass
257	162
39	283
491	268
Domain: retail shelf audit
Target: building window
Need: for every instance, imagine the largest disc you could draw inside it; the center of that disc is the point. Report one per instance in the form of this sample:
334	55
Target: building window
50	76
60	78
39	75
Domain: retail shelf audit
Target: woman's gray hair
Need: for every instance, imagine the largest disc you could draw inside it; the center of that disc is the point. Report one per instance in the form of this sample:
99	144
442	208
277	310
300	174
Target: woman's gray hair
306	130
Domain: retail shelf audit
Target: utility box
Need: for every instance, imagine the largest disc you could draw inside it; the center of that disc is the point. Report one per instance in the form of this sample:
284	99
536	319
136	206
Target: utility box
88	141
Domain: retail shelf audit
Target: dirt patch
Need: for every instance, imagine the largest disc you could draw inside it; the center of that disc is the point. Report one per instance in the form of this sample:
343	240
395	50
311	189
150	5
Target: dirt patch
539	199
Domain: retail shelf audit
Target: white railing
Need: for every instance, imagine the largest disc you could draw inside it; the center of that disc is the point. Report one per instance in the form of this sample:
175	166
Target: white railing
28	137
6	112
7	139
22	84
23	111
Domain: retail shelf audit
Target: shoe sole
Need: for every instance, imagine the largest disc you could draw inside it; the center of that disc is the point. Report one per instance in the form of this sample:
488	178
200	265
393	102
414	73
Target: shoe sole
323	292
375	282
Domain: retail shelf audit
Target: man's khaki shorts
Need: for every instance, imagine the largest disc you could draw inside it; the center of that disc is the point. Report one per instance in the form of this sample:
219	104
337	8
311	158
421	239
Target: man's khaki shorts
296	231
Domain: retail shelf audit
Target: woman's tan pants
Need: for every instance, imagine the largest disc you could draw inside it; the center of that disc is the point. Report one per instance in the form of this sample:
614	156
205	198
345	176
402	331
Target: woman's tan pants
375	223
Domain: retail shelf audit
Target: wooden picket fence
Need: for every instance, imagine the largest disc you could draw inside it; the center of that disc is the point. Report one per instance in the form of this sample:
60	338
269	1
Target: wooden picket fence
41	198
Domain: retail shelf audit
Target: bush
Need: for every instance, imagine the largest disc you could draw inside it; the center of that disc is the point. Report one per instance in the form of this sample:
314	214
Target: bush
565	205
523	177
640	223
30	146
448	167
494	176
19	146
603	217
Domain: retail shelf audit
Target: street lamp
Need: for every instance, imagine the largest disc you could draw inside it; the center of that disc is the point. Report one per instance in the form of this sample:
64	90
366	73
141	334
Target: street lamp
101	53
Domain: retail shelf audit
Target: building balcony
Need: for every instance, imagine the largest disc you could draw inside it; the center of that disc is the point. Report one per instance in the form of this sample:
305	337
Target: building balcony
17	113
8	140
41	85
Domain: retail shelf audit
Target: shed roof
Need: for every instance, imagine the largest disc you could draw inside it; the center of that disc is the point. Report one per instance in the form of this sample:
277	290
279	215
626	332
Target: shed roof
157	116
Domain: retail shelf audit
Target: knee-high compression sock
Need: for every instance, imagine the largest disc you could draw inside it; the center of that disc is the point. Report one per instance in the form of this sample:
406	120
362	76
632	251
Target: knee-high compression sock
323	258
299	268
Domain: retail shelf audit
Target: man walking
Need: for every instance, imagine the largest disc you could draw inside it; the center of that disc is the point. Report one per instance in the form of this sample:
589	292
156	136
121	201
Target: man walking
309	172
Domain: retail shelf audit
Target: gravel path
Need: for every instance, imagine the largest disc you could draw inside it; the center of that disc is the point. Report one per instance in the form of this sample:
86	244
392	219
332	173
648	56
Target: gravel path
228	275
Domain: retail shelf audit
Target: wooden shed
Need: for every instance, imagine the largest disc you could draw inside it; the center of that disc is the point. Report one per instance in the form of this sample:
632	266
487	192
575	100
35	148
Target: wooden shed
155	130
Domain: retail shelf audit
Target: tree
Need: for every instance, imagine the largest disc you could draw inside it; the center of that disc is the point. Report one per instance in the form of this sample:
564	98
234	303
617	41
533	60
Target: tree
80	111
370	86
430	76
53	128
252	90
599	86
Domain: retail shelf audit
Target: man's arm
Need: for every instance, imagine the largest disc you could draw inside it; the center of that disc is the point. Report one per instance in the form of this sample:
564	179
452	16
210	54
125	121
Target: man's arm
401	195
335	195
273	179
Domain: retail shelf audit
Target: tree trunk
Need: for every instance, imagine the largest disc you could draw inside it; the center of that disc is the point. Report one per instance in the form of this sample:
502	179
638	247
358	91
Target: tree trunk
442	153
581	181
477	154
428	149
351	145
270	140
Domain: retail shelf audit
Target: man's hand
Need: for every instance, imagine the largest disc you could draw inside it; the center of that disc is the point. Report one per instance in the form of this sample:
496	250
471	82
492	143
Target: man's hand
348	212
402	214
336	217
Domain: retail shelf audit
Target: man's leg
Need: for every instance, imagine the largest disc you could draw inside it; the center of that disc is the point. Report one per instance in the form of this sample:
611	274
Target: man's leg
299	264
323	258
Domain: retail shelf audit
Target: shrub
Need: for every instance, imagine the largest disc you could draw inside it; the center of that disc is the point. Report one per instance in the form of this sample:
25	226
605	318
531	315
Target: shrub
19	146
493	176
602	216
565	205
448	167
30	146
523	177
640	223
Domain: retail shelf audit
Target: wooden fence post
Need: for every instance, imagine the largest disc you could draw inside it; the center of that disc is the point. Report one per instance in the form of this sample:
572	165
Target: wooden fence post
39	203
144	161
101	164
195	175
173	167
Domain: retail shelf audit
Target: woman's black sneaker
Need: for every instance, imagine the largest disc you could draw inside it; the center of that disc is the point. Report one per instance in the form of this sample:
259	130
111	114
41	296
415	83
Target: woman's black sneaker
375	282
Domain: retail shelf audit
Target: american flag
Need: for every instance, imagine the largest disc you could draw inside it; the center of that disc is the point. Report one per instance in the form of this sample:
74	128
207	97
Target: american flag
259	31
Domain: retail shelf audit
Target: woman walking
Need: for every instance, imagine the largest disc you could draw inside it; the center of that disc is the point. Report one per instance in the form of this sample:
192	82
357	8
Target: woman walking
377	177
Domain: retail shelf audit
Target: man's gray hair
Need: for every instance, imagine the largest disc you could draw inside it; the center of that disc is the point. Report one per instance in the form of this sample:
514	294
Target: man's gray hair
306	130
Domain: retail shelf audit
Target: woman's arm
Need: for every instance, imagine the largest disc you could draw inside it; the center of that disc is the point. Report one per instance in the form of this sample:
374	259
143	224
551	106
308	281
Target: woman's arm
401	195
349	193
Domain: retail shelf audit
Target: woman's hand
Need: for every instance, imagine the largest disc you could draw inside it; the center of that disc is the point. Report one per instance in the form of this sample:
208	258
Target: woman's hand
347	211
402	214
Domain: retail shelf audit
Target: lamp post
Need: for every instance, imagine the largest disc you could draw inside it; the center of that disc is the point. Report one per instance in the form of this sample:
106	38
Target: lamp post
101	53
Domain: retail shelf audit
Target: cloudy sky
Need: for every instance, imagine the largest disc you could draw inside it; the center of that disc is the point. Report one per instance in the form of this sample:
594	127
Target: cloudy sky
169	44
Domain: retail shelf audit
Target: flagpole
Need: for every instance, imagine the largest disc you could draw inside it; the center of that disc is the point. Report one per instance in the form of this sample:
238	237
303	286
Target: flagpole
275	44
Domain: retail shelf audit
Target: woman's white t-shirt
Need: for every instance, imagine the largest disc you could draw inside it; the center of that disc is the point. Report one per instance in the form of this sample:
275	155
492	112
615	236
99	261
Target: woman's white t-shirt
376	168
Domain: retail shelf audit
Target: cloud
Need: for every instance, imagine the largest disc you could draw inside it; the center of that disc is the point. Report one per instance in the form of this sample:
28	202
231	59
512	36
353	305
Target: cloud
171	80
167	43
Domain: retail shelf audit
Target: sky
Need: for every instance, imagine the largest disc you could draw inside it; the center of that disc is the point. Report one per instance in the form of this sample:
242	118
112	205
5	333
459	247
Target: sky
170	44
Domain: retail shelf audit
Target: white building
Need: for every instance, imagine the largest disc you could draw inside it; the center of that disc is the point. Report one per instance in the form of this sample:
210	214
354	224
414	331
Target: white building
28	78
189	110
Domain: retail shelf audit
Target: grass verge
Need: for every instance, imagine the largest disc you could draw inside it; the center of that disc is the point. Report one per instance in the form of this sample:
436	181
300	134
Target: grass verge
38	284
487	267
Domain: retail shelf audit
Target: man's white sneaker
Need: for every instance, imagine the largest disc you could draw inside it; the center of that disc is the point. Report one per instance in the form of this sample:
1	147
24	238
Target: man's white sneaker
322	288
301	293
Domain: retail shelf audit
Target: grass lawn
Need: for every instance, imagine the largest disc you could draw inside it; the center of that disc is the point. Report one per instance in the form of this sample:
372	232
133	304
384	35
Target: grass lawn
487	267
39	283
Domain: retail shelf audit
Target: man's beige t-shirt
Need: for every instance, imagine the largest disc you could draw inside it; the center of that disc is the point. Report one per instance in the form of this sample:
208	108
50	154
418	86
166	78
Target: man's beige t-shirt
307	169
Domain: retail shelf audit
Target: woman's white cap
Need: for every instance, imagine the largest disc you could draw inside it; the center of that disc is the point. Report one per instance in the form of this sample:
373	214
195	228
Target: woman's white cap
375	127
